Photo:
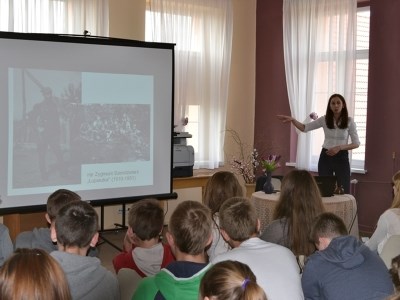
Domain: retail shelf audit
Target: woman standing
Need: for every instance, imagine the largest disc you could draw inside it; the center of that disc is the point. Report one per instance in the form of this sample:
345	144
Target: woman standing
338	126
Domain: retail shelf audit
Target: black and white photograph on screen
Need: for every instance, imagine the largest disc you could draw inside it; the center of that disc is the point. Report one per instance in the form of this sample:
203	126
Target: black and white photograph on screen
43	104
111	133
56	132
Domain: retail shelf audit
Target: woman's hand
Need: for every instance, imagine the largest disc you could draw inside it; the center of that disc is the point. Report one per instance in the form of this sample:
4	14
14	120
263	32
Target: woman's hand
289	119
333	151
285	119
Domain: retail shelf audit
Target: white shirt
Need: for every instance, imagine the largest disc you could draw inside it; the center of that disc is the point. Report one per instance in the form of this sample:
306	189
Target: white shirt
275	267
388	225
336	136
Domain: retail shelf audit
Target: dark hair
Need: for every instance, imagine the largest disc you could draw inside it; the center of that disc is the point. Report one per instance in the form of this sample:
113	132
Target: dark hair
220	187
344	114
299	203
58	199
190	225
76	224
231	280
394	272
238	218
327	225
33	274
146	218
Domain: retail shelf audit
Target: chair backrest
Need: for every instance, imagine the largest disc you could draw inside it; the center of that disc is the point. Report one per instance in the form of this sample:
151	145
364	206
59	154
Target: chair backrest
128	281
390	250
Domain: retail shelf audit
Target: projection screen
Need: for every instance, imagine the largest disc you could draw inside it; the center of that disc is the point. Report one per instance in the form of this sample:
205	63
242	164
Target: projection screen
89	114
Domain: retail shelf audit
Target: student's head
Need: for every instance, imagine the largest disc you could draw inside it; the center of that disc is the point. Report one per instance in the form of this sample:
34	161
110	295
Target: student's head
57	200
76	225
33	274
299	203
146	219
326	227
189	228
396	190
221	186
238	220
230	280
337	105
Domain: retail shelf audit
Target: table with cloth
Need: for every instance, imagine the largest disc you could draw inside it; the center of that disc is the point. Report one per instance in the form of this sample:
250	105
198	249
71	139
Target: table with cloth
344	206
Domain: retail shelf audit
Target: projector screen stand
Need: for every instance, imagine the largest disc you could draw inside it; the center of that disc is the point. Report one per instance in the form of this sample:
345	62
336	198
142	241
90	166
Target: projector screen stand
118	227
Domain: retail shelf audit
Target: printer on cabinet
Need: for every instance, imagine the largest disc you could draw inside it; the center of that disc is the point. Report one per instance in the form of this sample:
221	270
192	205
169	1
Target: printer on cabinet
183	156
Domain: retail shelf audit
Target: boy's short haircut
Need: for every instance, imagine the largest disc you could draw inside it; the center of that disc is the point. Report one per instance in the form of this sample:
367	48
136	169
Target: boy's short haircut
58	199
191	226
76	224
238	218
327	225
146	218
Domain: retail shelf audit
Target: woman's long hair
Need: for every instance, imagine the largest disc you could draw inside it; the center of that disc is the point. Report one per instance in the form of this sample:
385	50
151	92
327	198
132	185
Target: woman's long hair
33	274
299	202
220	187
344	115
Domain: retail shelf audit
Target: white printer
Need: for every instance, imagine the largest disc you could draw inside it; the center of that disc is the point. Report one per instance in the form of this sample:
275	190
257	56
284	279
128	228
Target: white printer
183	156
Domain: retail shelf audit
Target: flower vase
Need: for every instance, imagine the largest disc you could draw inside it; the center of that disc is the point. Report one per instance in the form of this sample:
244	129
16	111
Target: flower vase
268	188
250	189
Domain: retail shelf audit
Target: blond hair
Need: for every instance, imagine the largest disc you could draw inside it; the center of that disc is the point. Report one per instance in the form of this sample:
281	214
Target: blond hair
190	225
33	274
231	280
238	218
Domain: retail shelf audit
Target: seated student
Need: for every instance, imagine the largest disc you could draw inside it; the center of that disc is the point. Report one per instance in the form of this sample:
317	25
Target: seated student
33	274
389	221
148	254
75	231
220	187
40	237
275	266
343	268
230	280
299	203
189	233
6	245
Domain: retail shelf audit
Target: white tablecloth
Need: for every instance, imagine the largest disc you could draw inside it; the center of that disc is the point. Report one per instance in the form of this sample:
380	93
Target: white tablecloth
344	206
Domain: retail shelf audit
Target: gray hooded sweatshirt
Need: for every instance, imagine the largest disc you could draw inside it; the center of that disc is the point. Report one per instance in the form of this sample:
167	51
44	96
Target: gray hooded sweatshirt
87	278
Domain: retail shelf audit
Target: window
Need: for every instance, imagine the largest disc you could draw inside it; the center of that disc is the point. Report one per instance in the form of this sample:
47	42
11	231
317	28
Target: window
360	97
361	88
54	16
202	33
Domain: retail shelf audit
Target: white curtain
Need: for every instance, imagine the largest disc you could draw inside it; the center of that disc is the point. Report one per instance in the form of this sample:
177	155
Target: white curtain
319	51
202	32
55	16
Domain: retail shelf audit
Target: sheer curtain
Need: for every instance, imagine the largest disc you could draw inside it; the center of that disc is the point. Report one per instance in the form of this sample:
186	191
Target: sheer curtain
55	16
319	50
202	32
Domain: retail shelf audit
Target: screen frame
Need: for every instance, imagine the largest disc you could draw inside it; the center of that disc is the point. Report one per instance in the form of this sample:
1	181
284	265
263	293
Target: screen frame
97	40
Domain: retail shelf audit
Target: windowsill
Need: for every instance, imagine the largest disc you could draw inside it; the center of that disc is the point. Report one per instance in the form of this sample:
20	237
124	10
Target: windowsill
353	170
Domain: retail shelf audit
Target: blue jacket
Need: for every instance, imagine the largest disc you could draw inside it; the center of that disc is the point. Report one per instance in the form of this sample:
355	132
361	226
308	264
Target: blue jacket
346	270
